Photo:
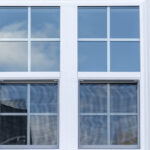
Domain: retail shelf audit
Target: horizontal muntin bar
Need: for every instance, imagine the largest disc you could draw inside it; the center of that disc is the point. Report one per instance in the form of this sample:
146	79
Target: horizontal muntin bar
13	114
107	39
123	114
125	39
25	114
13	39
93	114
45	39
43	114
32	39
105	114
92	39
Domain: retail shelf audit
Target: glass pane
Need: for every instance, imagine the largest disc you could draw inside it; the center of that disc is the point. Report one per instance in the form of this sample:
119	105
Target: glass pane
44	98
124	22
13	130
93	130
49	24
124	130
44	130
13	56
92	22
93	98
125	56
45	56
123	98
92	56
13	98
13	22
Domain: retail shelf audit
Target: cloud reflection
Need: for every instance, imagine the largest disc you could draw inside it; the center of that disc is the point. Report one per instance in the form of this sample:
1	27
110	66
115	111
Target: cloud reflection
45	55
14	30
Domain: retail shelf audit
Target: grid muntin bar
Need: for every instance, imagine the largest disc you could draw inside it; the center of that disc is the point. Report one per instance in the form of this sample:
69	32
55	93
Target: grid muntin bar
108	39
109	114
29	39
28	114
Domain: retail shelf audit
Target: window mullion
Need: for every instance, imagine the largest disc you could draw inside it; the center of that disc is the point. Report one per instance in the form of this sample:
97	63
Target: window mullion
68	79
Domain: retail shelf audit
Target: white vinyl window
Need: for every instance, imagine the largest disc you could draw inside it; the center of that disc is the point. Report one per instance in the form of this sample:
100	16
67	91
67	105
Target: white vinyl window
78	69
29	112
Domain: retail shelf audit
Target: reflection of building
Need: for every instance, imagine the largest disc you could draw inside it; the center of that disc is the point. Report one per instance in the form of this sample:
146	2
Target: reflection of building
13	106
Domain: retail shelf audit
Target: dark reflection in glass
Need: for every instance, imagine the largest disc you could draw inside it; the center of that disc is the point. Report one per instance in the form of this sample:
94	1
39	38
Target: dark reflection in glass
123	130
45	56
13	130
123	98
44	98
124	22
44	130
92	56
93	130
13	22
93	98
49	24
125	56
92	22
13	56
13	98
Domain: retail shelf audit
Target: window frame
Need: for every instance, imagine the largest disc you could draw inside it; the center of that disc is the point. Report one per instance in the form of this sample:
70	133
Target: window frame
69	76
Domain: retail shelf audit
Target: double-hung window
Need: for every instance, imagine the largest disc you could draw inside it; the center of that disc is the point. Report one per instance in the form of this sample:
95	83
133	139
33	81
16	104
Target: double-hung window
72	74
30	58
108	45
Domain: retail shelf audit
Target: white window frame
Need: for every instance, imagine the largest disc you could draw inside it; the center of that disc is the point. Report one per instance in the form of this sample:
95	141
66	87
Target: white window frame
68	76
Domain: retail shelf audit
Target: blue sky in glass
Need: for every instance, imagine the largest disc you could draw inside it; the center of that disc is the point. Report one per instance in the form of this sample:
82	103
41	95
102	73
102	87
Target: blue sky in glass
92	22
13	56
45	56
13	22
92	56
124	22
125	56
45	22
